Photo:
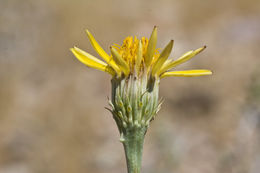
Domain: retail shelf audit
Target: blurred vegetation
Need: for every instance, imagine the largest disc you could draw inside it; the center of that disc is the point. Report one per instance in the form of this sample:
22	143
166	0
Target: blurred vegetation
52	116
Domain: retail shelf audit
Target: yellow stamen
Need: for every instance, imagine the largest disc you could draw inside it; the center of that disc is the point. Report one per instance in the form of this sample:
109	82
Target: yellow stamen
133	53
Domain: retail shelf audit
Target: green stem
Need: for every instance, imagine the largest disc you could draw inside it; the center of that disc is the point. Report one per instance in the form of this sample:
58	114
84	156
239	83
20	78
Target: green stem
133	145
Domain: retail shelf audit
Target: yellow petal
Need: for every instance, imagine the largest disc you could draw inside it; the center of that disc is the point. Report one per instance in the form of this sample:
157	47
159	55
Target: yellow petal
120	61
139	57
101	52
151	47
88	56
185	57
187	73
162	58
91	61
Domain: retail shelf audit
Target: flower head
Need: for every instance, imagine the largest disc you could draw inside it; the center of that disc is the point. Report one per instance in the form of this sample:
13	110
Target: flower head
136	67
138	57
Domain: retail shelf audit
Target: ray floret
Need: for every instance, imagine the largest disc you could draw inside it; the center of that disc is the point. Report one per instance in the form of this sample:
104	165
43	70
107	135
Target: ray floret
151	47
185	57
162	58
187	73
91	61
101	52
139	56
124	67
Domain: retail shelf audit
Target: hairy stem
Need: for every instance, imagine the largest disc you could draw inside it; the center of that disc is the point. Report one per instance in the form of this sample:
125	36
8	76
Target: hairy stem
133	145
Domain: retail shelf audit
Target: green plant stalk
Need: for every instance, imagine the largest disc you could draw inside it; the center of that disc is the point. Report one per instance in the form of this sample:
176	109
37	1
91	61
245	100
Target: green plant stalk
134	104
133	146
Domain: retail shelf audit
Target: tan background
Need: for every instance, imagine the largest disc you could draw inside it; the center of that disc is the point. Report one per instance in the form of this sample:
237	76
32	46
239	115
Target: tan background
52	116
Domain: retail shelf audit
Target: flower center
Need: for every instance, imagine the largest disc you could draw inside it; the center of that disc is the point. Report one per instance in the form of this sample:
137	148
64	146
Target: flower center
129	50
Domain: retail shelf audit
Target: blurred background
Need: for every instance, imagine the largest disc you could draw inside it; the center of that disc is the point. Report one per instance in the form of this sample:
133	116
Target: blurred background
52	116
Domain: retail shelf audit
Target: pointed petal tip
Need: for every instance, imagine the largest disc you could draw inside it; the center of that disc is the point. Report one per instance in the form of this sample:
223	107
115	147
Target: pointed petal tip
202	48
89	34
169	46
155	29
111	48
197	51
207	72
72	50
77	49
172	42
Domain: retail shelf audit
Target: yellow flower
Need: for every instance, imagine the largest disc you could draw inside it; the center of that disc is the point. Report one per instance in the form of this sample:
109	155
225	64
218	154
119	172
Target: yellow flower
136	67
138	57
